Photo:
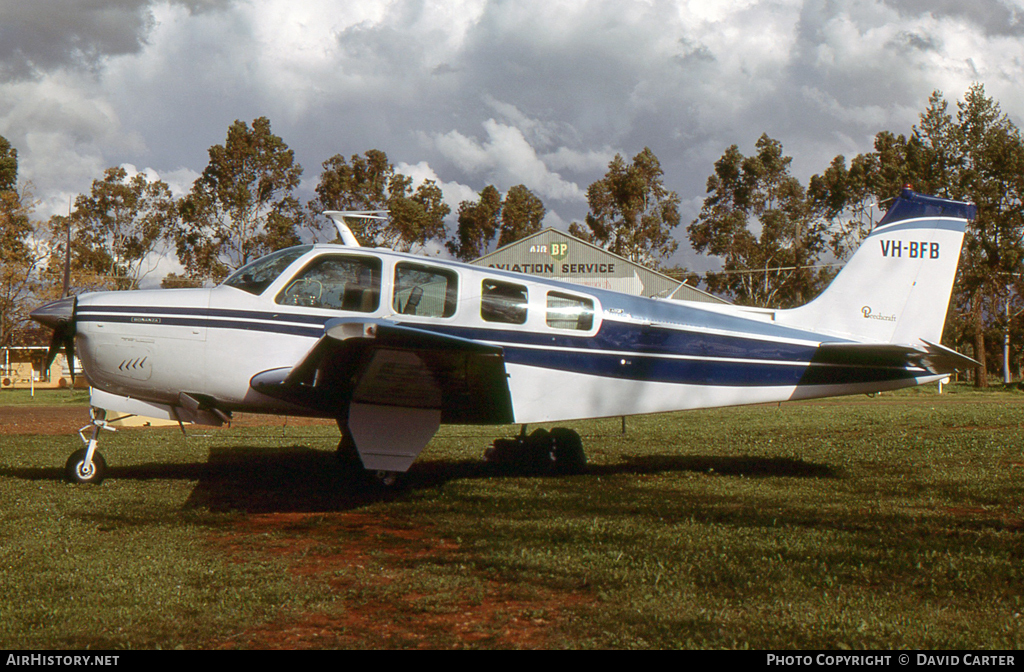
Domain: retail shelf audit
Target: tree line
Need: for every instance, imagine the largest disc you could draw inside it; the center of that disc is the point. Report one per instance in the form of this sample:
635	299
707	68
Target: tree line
779	242
243	206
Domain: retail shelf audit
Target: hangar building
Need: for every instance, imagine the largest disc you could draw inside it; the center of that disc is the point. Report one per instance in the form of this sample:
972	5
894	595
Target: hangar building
555	255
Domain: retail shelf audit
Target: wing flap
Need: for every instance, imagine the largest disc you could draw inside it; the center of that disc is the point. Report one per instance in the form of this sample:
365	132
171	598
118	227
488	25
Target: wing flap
384	364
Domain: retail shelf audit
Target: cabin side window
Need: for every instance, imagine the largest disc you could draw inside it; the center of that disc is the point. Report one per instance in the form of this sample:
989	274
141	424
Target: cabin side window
569	312
503	302
425	291
338	282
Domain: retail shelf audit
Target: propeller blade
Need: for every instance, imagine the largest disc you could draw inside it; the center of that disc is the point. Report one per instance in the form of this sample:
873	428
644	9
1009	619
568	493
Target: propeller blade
69	349
59	316
55	343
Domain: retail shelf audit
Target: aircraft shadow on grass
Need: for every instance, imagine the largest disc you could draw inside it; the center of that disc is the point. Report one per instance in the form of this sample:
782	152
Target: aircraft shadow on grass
301	479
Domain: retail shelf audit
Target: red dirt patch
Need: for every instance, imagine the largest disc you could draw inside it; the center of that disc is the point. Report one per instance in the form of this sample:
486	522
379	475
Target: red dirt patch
42	419
69	419
357	552
256	420
1011	521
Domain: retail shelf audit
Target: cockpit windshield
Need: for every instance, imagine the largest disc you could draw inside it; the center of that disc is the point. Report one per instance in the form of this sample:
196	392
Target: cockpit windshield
256	276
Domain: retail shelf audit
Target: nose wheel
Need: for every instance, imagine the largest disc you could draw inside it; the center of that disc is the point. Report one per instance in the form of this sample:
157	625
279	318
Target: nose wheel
86	465
79	469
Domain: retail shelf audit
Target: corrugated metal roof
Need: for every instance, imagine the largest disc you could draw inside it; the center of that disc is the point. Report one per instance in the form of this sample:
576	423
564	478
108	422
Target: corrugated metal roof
557	255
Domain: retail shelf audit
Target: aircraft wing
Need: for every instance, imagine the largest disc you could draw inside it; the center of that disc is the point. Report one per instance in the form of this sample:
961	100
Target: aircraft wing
932	357
379	363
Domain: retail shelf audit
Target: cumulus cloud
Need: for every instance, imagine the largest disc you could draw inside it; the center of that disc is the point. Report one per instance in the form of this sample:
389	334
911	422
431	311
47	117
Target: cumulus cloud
178	181
454	192
471	92
507	159
588	161
40	35
62	132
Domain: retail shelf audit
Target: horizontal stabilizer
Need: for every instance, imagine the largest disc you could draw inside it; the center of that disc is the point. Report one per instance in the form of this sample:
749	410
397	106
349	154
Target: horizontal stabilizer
945	360
932	357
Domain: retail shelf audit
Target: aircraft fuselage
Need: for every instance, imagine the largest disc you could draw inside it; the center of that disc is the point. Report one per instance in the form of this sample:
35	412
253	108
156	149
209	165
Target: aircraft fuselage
569	351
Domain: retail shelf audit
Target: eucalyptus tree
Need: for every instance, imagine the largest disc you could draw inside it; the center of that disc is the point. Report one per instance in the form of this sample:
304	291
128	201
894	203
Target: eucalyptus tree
117	227
370	182
632	214
23	250
8	166
242	206
478	224
514	217
756	218
522	213
975	155
21	257
982	154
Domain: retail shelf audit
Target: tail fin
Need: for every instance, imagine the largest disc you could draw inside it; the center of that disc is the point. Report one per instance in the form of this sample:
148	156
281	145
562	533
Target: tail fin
896	286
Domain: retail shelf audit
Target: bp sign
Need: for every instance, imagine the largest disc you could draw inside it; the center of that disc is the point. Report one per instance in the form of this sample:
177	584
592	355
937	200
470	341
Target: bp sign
557	251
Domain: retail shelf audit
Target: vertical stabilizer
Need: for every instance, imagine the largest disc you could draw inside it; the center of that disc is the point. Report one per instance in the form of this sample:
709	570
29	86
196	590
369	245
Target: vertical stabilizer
896	286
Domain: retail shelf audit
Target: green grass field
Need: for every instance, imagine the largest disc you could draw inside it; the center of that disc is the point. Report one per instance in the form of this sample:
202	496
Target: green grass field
880	523
21	397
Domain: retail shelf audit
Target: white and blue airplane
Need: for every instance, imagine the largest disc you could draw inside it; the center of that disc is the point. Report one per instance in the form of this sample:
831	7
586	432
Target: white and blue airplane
393	345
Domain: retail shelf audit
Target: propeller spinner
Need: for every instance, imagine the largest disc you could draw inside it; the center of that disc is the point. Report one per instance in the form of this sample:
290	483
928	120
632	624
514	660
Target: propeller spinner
59	316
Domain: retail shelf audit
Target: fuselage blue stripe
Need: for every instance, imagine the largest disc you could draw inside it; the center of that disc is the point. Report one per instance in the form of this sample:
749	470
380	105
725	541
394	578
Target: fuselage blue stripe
643	339
203	312
639	352
269	327
617	336
702	372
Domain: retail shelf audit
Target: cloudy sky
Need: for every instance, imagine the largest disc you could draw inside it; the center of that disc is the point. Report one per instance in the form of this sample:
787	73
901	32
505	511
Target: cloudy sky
472	92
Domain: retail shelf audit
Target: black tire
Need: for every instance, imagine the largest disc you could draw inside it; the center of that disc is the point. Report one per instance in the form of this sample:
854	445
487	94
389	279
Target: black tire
387	480
533	454
503	452
569	457
540	452
75	472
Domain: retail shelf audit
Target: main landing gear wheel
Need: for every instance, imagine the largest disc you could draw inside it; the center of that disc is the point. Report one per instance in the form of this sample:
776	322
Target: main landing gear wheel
567	451
352	463
386	479
76	470
559	451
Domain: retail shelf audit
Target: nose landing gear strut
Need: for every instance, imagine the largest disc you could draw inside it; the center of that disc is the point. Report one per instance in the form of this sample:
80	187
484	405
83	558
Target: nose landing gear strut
86	465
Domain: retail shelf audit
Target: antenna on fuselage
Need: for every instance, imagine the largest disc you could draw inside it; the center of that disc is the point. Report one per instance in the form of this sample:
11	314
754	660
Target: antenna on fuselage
345	233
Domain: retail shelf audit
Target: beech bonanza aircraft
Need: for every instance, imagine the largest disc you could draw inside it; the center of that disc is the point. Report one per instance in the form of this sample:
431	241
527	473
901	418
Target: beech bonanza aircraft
392	345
